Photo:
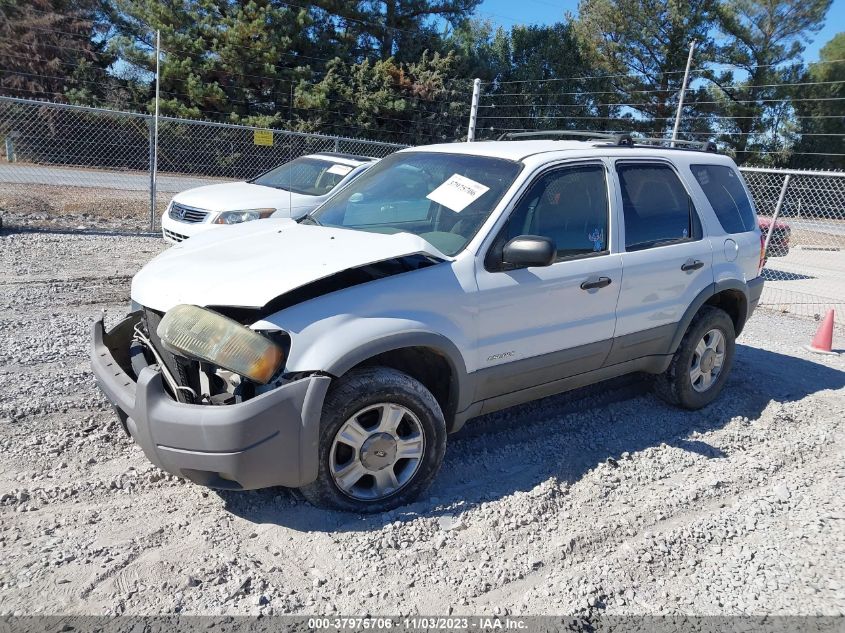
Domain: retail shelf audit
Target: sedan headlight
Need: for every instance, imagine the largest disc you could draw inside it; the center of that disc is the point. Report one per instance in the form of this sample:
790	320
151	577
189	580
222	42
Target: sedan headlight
236	217
207	336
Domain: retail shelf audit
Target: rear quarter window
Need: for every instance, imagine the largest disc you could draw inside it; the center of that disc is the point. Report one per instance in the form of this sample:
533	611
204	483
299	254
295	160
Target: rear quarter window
723	187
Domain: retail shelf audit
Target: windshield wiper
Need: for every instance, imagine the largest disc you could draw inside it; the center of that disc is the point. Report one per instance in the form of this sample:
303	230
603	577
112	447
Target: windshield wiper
307	219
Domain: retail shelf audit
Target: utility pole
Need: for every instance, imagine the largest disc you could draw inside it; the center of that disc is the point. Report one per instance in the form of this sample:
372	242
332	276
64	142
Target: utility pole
473	111
154	153
681	98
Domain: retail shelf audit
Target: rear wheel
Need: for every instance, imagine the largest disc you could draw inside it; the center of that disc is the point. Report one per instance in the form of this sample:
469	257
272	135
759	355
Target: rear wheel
382	441
702	363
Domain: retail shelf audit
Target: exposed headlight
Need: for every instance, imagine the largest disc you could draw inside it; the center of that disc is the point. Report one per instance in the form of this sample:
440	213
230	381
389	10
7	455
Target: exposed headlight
236	217
205	335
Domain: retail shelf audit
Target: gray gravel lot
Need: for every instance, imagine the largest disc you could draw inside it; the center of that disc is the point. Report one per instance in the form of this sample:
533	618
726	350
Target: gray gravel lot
565	506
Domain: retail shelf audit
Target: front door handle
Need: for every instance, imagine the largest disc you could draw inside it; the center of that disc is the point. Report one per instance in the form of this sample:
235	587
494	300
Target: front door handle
601	282
692	264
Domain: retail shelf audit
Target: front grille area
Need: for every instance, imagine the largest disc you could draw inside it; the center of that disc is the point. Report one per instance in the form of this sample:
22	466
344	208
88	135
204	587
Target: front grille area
180	368
181	213
176	237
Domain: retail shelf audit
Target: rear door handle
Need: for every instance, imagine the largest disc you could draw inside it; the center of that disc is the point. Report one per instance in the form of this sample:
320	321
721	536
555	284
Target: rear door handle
601	282
692	264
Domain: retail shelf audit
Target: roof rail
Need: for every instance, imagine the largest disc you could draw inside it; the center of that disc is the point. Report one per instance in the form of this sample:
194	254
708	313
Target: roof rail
703	146
622	139
616	139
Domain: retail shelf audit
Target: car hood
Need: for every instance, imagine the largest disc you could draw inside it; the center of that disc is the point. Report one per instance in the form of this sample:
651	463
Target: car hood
249	264
237	196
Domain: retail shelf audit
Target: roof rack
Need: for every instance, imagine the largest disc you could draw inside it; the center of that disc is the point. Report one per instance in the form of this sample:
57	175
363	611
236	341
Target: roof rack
616	139
624	140
704	146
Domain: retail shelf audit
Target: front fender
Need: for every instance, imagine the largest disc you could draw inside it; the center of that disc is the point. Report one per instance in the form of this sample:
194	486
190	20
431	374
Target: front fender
337	344
347	359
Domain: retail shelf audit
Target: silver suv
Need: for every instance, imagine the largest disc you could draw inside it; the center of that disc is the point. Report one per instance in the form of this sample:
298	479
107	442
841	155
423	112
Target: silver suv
336	353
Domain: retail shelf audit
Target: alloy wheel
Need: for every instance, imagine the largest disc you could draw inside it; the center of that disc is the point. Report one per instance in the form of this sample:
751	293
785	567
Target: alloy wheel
707	360
377	451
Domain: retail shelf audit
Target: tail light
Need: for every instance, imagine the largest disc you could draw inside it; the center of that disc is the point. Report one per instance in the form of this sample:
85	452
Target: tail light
762	254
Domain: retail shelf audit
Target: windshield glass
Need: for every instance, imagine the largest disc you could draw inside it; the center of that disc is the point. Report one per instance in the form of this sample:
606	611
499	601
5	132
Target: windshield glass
443	198
309	176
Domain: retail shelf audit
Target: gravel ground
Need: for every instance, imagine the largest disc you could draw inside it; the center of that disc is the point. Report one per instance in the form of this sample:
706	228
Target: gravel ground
557	507
77	208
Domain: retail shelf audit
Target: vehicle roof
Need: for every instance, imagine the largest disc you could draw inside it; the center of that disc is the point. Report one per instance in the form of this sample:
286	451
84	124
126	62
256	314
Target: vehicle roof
542	150
344	158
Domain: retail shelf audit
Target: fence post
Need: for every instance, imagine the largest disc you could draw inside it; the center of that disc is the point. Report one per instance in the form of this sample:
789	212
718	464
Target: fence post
681	97
152	159
778	208
473	111
154	141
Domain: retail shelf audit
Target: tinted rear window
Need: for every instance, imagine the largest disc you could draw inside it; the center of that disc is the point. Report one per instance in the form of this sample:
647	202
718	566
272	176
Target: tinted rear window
727	196
656	206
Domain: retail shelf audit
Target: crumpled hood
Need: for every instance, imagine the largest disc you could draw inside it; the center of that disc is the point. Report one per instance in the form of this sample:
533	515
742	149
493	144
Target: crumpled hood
237	196
247	265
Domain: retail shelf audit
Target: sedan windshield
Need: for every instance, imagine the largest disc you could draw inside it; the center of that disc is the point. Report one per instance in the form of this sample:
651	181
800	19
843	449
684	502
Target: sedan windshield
443	198
308	176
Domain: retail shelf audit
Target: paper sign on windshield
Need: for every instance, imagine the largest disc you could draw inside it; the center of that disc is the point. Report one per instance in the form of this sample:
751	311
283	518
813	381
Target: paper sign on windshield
458	193
340	170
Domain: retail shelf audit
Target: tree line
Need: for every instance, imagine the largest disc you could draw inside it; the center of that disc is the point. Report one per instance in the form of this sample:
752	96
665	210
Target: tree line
402	70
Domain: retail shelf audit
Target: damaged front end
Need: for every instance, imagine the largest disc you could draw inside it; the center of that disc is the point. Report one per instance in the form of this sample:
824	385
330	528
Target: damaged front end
200	421
207	358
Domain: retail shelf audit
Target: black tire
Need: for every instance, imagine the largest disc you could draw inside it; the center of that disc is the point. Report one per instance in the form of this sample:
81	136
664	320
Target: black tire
355	391
674	385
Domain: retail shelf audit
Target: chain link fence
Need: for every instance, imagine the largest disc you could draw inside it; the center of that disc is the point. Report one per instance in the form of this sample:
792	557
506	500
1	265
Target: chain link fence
77	167
67	166
802	215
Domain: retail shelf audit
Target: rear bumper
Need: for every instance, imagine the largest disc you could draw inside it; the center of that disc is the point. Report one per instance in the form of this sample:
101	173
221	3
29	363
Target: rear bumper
755	289
270	440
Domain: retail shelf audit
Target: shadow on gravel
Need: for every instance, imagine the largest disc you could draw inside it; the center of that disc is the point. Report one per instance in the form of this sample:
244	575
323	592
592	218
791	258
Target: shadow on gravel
773	274
499	443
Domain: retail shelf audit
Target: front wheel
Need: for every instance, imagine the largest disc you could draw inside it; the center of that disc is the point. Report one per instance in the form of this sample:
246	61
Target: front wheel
701	364
382	440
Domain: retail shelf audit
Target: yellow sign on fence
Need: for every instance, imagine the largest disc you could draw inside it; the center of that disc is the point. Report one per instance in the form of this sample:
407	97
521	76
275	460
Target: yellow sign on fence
263	137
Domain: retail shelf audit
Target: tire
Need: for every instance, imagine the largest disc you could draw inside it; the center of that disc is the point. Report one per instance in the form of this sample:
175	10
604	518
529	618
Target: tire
676	385
360	409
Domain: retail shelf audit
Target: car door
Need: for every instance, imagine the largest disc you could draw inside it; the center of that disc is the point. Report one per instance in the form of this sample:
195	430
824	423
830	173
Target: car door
540	324
666	261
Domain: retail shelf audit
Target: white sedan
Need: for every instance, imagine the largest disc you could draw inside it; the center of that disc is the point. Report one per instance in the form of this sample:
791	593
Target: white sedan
288	191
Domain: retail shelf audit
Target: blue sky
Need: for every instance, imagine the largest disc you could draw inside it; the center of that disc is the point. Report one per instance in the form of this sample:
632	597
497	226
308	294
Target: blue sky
507	13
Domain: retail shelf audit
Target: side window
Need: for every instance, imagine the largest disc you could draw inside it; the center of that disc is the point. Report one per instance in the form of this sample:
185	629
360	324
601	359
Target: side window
569	206
656	206
727	196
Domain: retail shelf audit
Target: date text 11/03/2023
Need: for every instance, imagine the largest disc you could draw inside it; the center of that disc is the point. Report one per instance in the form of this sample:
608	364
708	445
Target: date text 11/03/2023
420	623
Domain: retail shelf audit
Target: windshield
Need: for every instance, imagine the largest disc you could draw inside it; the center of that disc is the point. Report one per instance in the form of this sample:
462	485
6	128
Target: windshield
309	176
443	198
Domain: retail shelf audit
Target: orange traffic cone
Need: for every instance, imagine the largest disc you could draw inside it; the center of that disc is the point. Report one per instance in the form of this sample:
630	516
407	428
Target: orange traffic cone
823	340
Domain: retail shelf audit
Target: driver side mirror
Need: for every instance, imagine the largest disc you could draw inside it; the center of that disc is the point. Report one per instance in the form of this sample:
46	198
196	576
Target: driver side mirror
529	250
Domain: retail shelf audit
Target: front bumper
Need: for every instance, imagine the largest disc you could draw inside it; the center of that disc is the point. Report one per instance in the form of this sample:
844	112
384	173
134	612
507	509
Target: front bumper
270	440
174	232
